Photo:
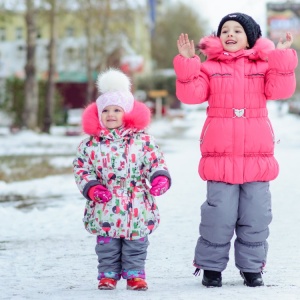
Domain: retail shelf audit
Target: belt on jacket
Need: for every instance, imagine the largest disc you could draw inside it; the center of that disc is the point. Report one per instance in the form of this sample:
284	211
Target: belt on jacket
236	113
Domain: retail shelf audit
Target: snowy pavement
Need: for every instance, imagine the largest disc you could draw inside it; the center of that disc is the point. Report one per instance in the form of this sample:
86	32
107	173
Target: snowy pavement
45	253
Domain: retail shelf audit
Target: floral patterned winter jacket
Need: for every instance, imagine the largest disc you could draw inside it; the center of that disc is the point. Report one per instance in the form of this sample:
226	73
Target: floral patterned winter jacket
125	161
237	139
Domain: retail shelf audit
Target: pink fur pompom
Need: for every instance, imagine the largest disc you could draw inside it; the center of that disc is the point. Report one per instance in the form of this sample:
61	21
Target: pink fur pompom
262	48
210	46
139	117
90	120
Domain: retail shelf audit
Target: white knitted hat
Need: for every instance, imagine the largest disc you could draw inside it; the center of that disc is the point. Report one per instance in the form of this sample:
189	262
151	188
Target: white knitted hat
114	87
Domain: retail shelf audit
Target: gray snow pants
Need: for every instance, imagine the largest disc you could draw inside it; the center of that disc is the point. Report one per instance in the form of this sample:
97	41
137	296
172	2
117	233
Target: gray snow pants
120	257
241	208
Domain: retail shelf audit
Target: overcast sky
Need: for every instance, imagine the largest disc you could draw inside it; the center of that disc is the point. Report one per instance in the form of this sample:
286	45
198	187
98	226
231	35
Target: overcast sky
214	10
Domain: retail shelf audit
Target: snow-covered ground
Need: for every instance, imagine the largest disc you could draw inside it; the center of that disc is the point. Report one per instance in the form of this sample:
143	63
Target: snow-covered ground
45	253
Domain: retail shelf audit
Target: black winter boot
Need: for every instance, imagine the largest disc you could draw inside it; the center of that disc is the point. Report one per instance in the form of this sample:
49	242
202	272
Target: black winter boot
212	279
252	279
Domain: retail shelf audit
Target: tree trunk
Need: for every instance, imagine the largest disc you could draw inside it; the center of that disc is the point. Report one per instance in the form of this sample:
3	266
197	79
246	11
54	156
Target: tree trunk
89	56
31	86
50	86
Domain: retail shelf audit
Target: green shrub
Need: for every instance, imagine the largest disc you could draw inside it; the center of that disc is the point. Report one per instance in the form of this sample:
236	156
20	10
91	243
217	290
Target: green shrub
14	102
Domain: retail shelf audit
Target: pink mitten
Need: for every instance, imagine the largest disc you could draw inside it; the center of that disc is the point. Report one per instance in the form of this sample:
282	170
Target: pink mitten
160	185
100	194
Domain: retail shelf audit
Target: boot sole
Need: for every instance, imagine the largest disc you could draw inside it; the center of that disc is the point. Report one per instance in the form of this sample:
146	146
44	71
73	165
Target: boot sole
137	289
107	288
252	285
209	285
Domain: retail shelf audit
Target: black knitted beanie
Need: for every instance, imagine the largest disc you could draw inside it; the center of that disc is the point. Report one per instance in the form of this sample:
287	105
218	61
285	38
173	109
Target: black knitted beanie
252	29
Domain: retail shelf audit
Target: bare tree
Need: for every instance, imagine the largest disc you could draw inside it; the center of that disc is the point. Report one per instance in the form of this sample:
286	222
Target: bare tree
177	19
94	16
104	22
31	86
89	51
50	85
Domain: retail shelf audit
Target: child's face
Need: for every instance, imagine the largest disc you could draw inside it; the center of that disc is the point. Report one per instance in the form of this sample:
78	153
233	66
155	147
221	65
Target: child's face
233	36
112	116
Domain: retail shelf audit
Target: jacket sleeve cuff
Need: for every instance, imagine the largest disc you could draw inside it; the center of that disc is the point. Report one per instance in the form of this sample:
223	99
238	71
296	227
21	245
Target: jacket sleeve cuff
283	60
161	173
87	187
186	68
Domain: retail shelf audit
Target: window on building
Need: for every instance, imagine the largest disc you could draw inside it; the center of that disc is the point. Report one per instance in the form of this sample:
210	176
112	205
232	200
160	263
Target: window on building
20	53
69	31
39	33
19	33
2	34
70	55
82	56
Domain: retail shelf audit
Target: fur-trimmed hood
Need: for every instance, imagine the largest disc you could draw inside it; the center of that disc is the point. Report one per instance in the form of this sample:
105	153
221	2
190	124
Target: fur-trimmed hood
211	47
138	119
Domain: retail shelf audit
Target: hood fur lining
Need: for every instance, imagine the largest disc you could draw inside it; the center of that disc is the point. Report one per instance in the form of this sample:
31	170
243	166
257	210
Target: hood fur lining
139	118
211	47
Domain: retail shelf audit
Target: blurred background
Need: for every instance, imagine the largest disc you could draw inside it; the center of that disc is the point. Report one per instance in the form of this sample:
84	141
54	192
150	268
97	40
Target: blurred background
51	52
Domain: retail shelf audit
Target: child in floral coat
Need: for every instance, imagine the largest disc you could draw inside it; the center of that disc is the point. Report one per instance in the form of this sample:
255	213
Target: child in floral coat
119	169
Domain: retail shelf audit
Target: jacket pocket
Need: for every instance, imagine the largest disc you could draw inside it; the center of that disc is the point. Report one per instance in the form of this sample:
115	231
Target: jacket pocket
204	132
271	130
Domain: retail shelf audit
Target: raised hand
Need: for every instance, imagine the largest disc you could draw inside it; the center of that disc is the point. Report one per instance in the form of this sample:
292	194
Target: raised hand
185	47
287	43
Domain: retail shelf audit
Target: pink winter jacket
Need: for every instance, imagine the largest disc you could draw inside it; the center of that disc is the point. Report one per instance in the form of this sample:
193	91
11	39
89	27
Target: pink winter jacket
237	139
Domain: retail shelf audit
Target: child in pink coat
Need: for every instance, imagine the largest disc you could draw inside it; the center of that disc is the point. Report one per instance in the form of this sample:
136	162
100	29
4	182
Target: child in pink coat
242	71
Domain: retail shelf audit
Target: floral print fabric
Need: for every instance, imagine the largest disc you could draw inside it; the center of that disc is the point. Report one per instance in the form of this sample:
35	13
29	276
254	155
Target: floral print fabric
124	161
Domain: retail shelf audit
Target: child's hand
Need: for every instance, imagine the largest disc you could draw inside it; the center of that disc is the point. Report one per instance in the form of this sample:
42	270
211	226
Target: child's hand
287	44
185	47
100	194
160	185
